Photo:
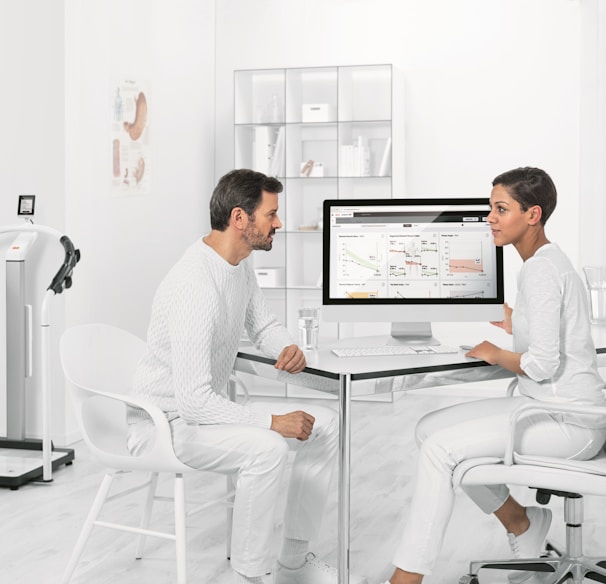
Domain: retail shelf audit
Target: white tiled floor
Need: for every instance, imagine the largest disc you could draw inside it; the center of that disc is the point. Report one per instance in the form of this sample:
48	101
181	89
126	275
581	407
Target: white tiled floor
40	523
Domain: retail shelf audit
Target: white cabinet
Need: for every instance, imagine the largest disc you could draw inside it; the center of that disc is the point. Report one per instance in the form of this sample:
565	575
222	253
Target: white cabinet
325	132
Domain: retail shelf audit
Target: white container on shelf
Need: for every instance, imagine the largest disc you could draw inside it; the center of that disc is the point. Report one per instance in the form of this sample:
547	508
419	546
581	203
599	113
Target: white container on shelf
270	277
317	112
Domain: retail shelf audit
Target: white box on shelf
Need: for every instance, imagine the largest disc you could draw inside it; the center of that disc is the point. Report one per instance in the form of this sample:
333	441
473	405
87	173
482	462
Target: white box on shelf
317	112
270	277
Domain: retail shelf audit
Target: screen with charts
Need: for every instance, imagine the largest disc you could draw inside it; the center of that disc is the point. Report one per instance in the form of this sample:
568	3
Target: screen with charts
415	253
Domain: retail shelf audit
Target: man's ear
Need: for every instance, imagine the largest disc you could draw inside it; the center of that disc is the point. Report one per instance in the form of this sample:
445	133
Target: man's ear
237	218
536	213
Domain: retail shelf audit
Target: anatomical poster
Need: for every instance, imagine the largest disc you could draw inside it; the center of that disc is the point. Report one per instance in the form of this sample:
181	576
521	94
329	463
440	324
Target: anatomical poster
130	140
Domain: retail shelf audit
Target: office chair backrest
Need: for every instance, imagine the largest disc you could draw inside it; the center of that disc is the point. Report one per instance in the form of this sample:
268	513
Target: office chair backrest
101	358
100	362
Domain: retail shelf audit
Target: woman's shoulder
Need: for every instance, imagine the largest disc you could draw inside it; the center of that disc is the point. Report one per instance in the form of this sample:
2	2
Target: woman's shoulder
552	255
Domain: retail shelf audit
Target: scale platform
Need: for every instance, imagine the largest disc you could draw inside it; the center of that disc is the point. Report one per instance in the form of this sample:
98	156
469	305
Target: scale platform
21	461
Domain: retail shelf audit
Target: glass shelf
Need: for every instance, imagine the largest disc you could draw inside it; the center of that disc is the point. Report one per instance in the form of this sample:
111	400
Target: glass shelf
306	120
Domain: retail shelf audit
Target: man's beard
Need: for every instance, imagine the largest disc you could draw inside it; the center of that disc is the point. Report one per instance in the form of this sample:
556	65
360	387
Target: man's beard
256	239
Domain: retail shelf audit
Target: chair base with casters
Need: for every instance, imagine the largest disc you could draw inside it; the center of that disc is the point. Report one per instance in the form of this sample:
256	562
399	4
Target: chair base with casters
556	567
550	476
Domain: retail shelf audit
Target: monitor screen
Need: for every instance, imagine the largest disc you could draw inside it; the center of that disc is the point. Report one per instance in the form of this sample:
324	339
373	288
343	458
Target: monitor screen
410	261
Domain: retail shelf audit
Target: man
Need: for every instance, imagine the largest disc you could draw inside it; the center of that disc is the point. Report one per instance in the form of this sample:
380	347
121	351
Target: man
198	315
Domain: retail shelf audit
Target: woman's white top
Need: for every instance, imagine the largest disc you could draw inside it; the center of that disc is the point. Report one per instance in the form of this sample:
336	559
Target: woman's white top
551	328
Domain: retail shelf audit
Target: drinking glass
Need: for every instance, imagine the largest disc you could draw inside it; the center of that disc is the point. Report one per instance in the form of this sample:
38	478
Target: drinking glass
596	282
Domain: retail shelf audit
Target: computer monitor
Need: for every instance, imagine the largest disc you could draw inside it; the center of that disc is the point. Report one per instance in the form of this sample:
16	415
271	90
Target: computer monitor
410	262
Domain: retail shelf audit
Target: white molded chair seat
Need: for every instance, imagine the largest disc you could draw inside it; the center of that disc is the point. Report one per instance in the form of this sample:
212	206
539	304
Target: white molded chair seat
99	361
570	479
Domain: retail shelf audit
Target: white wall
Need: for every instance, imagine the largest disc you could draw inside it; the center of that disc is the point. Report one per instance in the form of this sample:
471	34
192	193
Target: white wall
489	85
32	162
592	188
57	73
128	243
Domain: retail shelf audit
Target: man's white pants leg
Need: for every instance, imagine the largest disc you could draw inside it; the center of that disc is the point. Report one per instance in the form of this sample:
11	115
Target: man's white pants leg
259	456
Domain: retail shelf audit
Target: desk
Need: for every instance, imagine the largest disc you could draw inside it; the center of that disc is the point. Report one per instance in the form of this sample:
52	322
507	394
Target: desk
340	376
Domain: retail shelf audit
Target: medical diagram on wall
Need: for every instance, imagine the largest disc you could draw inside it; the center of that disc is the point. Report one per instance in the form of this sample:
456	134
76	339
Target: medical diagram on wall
130	138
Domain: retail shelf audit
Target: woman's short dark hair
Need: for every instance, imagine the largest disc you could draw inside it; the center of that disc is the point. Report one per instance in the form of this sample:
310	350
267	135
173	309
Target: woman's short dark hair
239	188
529	187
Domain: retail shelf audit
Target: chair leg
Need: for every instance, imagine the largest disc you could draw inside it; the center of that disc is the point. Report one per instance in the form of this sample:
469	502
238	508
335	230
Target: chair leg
147	510
231	488
180	529
87	527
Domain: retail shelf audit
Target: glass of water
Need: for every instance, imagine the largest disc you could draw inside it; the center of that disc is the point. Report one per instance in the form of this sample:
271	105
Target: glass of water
596	282
309	325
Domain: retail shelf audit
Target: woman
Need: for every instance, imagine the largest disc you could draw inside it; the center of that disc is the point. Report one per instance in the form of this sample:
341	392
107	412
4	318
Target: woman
554	358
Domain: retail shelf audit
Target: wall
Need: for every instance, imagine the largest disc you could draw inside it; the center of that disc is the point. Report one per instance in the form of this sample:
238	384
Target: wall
56	143
489	85
32	162
592	188
129	242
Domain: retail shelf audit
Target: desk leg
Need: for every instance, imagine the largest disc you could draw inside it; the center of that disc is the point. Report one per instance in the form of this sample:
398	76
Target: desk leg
344	463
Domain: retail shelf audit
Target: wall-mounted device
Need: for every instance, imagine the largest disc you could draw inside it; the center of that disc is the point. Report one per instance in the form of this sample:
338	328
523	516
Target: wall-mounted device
27	204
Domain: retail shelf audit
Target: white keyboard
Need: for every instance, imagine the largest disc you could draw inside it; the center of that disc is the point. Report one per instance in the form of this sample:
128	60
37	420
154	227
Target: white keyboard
388	350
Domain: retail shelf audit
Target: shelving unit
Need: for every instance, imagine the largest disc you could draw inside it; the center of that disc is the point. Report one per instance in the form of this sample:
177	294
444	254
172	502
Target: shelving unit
325	132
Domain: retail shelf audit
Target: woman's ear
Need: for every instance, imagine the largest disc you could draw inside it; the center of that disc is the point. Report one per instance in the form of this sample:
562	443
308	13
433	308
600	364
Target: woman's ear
536	213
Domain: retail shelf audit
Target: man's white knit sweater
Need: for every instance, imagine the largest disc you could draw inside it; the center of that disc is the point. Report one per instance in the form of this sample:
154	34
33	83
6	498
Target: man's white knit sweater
198	315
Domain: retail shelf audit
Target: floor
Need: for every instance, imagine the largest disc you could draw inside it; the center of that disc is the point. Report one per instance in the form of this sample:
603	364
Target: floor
40	523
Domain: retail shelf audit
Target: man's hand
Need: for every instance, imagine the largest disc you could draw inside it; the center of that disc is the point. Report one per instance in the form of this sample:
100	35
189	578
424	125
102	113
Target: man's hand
291	360
294	425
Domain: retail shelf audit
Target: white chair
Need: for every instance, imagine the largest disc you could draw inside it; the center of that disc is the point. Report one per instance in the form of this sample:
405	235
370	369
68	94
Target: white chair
99	361
570	479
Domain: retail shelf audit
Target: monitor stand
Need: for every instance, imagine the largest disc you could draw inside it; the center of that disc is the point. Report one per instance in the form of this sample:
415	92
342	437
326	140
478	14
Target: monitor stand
412	333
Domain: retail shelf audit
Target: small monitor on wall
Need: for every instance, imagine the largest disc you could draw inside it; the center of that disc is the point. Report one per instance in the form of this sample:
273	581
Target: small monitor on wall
410	262
27	204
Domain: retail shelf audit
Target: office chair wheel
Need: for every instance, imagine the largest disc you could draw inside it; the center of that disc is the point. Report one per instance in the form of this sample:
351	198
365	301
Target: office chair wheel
469	579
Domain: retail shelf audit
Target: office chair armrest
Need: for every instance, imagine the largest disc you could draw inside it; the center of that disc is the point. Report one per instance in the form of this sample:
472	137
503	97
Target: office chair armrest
542	406
512	387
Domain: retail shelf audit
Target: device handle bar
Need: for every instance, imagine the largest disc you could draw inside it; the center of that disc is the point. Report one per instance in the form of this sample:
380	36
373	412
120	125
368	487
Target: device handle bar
63	278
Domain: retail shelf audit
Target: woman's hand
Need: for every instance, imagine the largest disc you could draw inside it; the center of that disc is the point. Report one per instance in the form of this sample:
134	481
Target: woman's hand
486	351
505	324
291	360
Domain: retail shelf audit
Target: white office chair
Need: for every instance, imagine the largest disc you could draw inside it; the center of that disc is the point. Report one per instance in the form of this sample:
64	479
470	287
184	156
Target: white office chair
99	361
570	479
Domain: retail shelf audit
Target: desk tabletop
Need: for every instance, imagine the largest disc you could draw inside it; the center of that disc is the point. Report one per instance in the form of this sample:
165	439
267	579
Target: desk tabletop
324	368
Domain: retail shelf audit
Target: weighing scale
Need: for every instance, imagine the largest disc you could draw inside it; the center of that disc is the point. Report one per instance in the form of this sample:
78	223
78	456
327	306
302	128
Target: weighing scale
23	460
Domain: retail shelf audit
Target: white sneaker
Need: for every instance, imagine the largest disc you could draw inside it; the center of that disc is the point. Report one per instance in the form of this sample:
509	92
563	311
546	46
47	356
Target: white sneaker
531	543
313	571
